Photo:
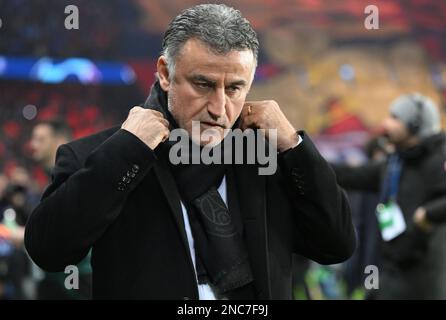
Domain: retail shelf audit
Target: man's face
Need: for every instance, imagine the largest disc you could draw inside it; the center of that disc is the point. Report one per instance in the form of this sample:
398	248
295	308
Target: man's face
207	87
43	142
395	130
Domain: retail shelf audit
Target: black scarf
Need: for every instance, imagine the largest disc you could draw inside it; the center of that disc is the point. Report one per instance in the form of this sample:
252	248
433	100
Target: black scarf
221	257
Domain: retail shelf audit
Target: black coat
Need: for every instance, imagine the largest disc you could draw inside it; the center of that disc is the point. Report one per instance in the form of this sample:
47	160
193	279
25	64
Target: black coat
412	262
137	233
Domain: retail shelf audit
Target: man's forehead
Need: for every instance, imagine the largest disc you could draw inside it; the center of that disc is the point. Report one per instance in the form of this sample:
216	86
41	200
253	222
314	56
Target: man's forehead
42	127
195	51
232	79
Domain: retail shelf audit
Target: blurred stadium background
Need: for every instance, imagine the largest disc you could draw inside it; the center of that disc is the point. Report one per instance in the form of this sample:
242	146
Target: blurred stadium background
331	75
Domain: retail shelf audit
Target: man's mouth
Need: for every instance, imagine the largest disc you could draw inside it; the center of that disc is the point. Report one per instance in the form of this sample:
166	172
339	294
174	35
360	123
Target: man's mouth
212	124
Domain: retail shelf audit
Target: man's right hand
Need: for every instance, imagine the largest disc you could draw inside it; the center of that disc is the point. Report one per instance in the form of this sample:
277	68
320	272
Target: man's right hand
420	219
148	125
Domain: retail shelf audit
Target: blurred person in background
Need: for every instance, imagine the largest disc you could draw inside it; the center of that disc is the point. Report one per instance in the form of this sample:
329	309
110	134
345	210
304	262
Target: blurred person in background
4	182
17	192
412	201
363	205
14	264
17	199
46	138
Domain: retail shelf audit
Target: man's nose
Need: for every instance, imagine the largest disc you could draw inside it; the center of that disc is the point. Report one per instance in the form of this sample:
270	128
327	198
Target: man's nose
217	103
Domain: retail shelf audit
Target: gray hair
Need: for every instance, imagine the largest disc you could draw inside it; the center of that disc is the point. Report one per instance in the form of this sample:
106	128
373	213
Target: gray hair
220	27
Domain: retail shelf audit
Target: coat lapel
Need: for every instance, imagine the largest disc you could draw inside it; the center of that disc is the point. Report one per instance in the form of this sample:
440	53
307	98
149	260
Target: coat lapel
251	190
169	188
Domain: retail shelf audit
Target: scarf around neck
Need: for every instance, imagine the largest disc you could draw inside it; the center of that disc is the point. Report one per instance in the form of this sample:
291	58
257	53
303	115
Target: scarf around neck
220	253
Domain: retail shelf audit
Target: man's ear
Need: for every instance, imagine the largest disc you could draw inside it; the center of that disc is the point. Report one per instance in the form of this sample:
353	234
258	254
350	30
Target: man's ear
163	73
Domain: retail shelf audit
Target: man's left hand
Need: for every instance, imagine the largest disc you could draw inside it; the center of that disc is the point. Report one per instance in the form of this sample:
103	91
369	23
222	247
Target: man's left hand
267	115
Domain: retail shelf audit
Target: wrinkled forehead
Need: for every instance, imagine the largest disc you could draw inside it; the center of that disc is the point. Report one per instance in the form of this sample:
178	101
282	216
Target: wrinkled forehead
195	55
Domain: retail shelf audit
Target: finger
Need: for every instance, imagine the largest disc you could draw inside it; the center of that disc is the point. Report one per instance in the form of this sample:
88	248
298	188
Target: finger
166	135
247	110
252	103
249	121
135	109
164	122
156	113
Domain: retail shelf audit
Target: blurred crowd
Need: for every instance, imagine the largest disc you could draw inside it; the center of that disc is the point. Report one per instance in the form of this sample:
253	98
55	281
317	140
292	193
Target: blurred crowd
84	109
36	118
34	121
38	31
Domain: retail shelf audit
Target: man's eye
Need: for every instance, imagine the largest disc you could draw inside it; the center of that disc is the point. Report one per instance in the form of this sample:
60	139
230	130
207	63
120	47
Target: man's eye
203	85
233	89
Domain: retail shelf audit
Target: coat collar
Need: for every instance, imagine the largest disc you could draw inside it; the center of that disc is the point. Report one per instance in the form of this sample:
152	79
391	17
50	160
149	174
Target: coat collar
251	188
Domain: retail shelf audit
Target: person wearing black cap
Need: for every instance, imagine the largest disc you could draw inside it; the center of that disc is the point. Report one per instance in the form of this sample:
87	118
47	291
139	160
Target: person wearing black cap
411	185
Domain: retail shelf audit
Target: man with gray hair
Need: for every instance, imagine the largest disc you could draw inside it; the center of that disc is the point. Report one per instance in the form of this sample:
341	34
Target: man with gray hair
412	188
160	230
